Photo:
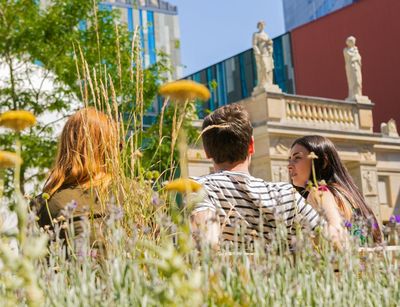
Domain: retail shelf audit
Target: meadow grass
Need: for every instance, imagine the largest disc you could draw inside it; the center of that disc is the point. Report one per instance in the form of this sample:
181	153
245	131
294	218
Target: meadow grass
151	260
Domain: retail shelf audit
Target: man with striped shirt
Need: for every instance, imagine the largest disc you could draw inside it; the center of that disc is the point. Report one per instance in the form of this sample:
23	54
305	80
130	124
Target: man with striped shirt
238	206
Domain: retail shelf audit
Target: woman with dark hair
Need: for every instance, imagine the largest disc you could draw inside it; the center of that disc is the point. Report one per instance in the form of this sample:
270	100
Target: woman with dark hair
338	186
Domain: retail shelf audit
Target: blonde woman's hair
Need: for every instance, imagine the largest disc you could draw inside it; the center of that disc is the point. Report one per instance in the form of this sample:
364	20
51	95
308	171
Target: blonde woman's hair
88	141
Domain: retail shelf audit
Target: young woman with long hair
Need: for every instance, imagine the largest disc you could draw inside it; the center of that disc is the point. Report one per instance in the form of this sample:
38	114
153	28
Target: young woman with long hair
81	173
340	188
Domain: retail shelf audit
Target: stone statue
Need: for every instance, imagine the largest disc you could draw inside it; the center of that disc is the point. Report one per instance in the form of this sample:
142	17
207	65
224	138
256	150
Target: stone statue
389	128
392	128
263	51
353	70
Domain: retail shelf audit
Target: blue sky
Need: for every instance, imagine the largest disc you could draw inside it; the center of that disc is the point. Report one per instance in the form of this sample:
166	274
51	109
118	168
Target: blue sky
213	30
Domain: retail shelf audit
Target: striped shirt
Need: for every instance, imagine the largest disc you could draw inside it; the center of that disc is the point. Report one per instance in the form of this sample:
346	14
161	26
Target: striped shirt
241	199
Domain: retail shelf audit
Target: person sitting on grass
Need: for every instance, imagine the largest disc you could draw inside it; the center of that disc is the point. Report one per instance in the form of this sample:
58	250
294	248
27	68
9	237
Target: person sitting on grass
341	193
80	176
234	197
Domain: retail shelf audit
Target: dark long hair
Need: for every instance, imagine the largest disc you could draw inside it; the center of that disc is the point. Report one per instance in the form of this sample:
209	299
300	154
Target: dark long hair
330	168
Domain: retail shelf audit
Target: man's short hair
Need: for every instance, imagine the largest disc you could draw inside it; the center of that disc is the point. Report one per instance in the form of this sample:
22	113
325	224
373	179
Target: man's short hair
227	134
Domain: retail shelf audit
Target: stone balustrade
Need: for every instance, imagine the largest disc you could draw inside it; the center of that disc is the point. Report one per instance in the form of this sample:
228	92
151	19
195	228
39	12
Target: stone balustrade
320	112
312	112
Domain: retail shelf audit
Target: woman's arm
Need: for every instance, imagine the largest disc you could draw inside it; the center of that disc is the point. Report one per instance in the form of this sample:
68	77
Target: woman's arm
206	228
325	203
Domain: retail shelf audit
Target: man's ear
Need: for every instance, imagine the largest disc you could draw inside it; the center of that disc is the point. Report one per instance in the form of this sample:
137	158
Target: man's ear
251	146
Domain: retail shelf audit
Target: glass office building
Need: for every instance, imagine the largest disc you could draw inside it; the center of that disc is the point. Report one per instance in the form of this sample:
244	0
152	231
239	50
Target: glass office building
234	79
159	28
299	12
158	25
159	31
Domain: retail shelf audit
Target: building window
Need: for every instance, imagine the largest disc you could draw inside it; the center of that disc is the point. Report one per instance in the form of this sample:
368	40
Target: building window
383	191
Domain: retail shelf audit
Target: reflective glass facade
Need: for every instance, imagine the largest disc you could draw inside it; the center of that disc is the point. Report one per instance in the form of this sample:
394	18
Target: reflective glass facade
298	12
159	28
235	78
159	31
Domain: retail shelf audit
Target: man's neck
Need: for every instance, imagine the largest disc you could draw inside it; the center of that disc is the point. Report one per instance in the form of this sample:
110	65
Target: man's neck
240	166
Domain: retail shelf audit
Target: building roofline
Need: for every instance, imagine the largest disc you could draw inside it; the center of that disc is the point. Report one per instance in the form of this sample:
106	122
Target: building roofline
322	17
170	9
235	55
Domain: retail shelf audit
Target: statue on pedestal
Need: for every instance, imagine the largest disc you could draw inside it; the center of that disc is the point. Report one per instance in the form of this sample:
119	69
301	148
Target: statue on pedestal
389	128
263	53
352	59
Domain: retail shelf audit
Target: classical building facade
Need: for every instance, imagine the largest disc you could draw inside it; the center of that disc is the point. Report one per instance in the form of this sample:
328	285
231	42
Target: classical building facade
373	159
309	60
318	59
312	61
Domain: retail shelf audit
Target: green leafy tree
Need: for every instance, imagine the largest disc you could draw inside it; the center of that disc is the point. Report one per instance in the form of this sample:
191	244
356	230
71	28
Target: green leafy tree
54	57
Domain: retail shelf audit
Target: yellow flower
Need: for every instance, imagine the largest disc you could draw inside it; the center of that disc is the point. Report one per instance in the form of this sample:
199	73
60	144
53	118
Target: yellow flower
312	156
17	120
183	185
183	90
9	159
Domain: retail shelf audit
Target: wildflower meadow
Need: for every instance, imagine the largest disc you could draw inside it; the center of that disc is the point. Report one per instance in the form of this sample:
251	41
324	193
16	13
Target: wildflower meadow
149	256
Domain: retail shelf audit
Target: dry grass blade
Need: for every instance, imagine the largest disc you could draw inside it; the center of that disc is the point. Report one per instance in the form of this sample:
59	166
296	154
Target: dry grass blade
160	128
211	127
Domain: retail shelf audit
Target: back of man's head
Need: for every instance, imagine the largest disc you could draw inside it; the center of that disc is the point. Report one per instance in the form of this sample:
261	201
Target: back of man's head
227	134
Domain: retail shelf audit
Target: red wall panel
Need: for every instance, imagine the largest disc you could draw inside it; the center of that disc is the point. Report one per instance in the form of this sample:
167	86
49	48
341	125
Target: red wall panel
319	63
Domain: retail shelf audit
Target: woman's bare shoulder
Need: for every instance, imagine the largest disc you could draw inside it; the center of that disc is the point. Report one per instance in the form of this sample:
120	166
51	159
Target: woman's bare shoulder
317	197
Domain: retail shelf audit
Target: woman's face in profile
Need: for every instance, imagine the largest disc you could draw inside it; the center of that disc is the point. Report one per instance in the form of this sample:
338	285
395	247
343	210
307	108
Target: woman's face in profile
299	165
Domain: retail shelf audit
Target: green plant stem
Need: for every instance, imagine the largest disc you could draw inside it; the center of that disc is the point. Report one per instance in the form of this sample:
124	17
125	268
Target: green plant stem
20	207
17	172
2	174
182	147
314	174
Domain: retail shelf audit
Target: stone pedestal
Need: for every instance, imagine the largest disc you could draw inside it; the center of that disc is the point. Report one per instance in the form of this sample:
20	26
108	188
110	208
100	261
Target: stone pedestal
273	88
365	118
359	99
